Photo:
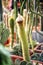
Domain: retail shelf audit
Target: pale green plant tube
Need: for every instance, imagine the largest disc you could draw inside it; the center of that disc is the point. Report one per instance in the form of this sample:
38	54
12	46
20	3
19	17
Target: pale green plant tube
12	31
25	19
23	38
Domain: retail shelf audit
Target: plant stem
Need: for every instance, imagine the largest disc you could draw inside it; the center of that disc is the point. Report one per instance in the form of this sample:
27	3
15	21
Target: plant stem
36	13
24	41
12	31
21	8
30	32
15	9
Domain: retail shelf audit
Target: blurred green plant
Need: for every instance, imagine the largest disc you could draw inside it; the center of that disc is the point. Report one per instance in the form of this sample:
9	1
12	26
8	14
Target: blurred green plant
4	33
4	56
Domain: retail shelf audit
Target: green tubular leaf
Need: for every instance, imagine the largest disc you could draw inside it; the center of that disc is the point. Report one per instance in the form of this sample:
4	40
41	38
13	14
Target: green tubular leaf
15	9
36	13
12	23
24	43
12	30
23	38
21	8
30	31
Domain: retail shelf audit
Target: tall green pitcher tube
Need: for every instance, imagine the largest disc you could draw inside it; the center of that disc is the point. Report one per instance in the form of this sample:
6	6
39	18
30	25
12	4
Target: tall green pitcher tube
23	38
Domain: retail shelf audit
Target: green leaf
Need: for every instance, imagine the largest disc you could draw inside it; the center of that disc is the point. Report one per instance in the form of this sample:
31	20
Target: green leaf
4	56
4	35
